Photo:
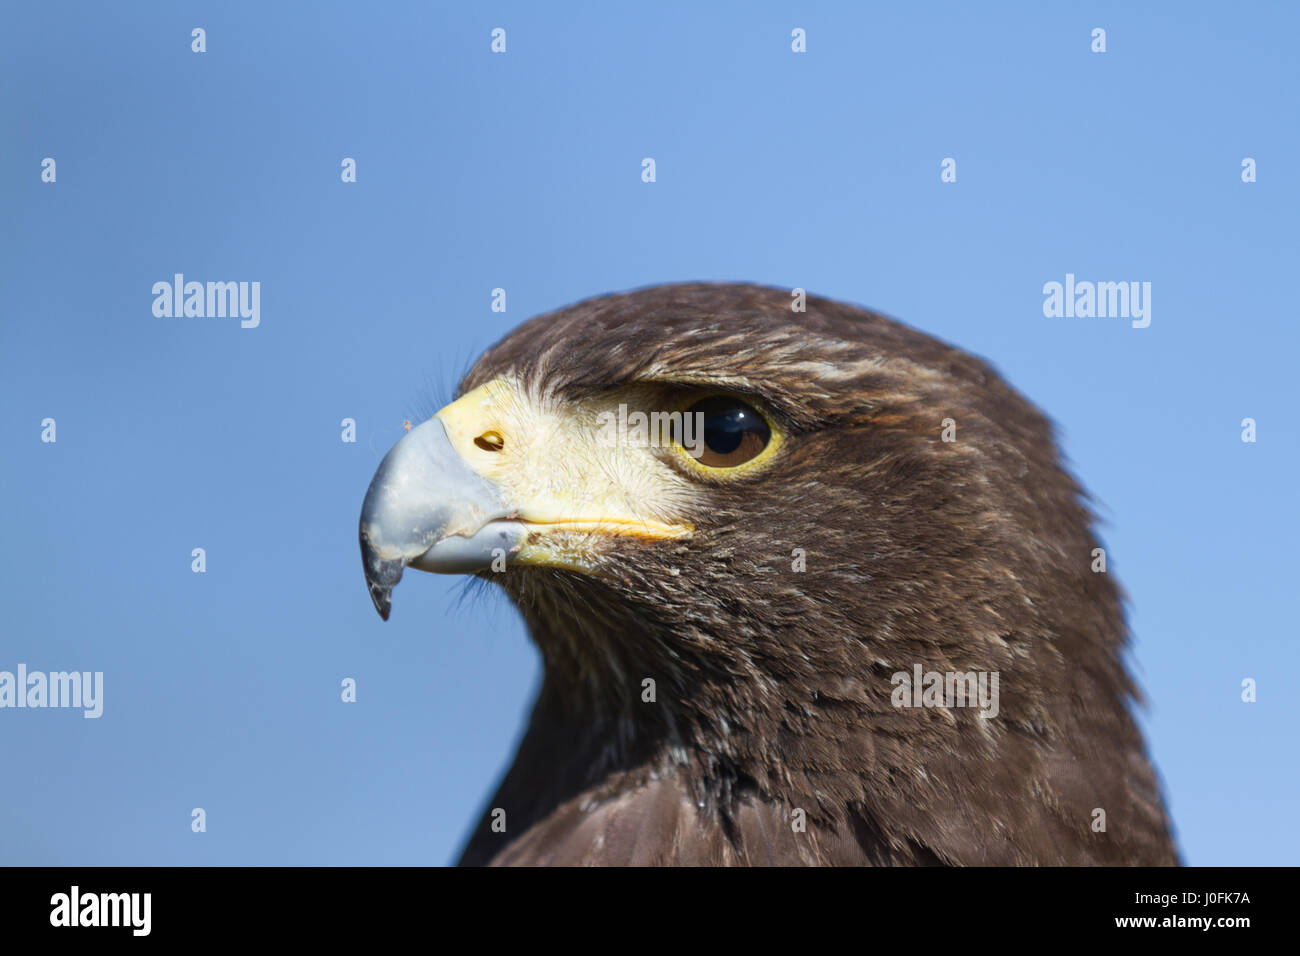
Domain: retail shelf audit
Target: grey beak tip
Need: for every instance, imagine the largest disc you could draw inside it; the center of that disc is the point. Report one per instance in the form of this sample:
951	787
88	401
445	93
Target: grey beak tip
381	576
383	601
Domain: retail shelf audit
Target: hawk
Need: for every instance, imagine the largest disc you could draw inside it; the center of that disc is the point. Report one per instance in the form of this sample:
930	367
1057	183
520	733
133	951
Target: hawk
809	587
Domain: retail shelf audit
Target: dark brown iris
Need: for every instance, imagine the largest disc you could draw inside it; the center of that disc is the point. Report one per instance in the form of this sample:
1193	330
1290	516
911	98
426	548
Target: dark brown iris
734	433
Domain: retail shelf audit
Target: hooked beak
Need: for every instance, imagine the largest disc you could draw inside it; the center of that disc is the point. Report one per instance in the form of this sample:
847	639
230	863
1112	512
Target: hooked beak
426	508
461	494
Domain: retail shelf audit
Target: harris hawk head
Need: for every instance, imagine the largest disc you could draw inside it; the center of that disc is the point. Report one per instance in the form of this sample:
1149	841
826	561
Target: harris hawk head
723	615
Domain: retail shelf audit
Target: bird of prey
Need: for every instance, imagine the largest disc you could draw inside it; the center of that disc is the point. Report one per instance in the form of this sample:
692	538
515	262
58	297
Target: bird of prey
739	626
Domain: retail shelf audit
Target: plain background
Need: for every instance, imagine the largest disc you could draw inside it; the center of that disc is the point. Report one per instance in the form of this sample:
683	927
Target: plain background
522	171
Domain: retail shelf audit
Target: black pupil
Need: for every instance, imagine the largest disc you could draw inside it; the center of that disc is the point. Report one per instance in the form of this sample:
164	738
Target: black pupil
731	428
724	431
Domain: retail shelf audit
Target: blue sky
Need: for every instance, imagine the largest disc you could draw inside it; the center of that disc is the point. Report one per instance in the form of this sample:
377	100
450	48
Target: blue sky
523	171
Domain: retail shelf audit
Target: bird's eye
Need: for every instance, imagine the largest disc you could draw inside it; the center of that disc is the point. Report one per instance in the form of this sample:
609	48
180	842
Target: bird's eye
724	432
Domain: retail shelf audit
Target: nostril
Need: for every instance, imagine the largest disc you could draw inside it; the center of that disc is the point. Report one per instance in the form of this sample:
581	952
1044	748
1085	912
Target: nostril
491	440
